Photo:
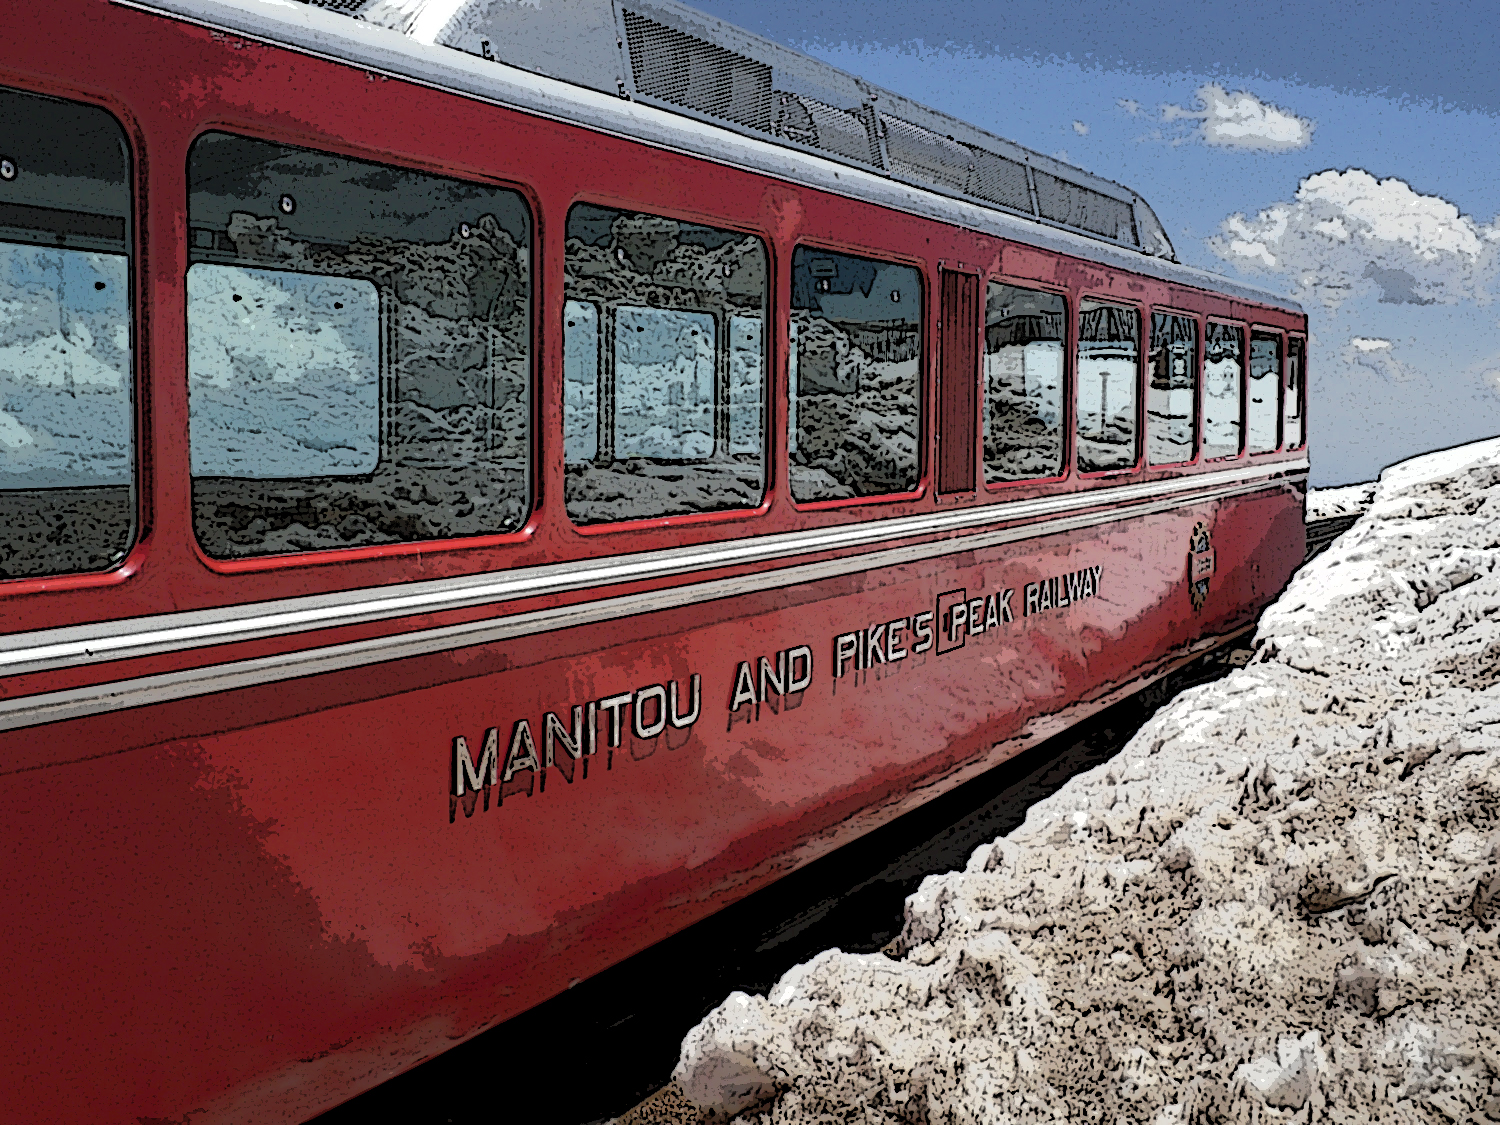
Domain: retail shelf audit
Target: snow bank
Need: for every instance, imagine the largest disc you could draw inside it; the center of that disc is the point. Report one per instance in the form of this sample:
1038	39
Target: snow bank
1277	903
1329	503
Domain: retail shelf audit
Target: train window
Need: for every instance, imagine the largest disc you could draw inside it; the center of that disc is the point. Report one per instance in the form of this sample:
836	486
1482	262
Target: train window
1108	380
1296	377
1223	388
663	367
1023	381
1263	409
66	420
855	376
358	352
1172	395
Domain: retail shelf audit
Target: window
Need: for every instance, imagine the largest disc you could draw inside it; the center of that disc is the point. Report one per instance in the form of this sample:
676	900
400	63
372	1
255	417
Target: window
1296	379
358	352
1223	383
663	367
1172	394
1023	381
1263	411
66	420
1109	352
855	376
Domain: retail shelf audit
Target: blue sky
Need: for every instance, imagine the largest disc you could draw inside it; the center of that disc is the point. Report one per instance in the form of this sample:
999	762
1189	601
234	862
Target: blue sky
1396	269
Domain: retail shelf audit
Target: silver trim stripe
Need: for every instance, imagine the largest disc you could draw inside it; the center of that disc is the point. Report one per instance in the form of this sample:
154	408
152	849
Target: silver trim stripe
76	645
143	691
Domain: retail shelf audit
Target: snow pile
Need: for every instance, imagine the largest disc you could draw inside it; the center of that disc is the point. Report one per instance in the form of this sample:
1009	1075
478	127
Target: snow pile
1277	903
1330	503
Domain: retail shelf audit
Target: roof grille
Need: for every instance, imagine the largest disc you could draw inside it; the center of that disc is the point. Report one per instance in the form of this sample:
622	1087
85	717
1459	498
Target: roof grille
920	154
696	74
347	7
820	125
1084	208
1000	180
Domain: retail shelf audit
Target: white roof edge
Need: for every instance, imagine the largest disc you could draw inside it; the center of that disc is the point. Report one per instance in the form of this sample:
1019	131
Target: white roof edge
330	35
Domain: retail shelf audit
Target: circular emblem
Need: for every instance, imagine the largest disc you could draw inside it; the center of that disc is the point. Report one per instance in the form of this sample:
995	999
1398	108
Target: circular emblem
1200	564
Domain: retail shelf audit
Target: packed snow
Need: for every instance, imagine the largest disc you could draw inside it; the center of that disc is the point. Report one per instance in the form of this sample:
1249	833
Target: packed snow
1330	503
1277	903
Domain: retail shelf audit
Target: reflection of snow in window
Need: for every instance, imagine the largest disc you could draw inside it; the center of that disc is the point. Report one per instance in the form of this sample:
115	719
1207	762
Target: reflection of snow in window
746	409
1223	348
580	381
65	417
1292	403
1108	357
857	335
283	373
1264	407
664	383
1171	403
1023	381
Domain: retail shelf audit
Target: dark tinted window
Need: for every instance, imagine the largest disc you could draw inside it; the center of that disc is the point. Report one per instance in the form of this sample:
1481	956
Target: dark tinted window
1109	351
664	367
1172	392
1223	387
357	352
1023	383
855	376
66	449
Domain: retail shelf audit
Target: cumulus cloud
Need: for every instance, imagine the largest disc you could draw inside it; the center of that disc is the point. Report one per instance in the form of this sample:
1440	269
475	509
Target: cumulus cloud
1242	121
1129	105
1080	128
1346	233
1369	344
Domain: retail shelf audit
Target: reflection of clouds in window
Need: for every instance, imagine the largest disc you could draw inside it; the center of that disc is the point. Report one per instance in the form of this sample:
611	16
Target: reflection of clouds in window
65	414
283	373
370	385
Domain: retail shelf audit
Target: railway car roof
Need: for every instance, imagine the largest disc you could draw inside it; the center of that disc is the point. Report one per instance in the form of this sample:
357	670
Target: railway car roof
667	75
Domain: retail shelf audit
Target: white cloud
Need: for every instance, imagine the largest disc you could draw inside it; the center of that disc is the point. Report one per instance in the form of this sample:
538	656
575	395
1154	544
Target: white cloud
1369	344
1080	128
1129	105
1346	233
1242	121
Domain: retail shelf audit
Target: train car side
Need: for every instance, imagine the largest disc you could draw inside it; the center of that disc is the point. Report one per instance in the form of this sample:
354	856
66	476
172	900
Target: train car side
282	824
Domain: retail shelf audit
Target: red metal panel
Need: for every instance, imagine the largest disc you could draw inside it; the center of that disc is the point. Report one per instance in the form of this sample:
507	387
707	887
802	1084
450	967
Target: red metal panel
958	382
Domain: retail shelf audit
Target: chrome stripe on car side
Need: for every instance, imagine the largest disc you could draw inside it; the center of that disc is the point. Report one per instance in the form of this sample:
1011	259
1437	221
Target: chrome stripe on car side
71	646
143	691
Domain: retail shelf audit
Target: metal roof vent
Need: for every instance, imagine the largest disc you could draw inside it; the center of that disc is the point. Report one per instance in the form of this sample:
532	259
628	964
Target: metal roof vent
1000	180
822	126
346	7
1081	207
920	154
695	74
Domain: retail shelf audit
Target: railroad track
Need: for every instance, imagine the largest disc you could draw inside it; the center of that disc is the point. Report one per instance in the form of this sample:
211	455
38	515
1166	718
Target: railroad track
1320	533
613	1040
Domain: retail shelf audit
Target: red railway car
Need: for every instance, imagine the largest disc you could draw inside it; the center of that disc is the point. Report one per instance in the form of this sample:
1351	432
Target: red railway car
469	513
